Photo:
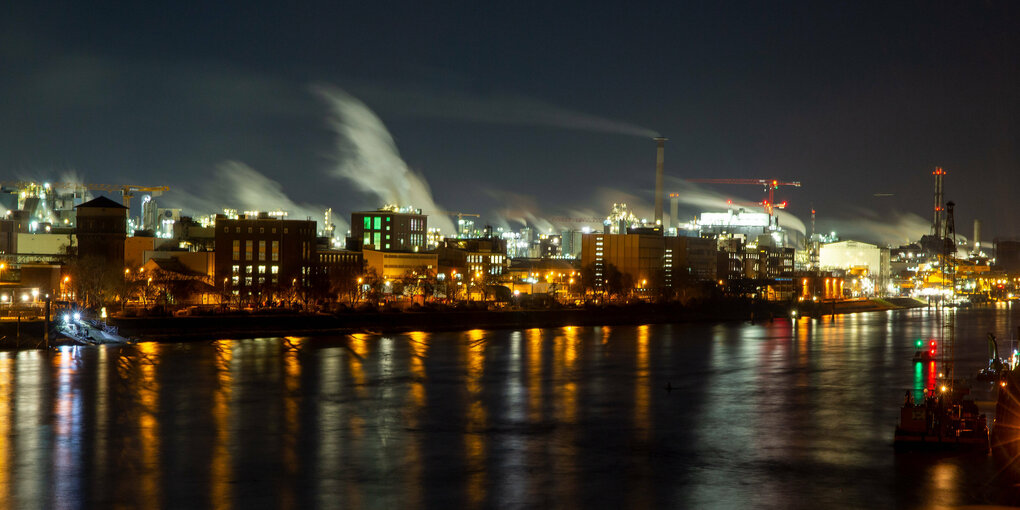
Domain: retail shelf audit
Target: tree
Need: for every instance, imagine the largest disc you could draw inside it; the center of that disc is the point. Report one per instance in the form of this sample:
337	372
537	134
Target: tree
95	281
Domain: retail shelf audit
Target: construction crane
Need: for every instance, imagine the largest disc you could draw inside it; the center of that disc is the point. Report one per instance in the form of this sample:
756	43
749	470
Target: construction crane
770	185
459	215
126	190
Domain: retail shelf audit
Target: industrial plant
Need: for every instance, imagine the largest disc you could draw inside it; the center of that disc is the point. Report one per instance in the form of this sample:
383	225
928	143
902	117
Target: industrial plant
56	236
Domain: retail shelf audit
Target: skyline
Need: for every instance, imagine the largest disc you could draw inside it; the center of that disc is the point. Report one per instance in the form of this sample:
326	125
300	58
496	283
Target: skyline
502	112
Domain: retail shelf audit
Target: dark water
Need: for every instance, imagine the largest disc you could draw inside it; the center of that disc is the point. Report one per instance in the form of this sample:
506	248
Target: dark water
778	415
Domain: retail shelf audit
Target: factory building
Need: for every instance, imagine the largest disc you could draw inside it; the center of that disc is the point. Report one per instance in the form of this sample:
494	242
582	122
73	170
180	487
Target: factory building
341	263
571	243
389	229
256	253
476	256
866	266
760	269
390	264
649	260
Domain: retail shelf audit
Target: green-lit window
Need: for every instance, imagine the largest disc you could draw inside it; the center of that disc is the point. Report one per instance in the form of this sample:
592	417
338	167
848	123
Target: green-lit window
376	240
368	238
368	222
378	223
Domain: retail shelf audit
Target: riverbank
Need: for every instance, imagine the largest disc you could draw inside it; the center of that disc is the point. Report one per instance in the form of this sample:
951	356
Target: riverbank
29	333
256	325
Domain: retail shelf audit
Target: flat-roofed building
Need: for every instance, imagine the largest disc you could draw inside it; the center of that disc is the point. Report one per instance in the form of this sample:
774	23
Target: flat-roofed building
389	230
398	264
260	253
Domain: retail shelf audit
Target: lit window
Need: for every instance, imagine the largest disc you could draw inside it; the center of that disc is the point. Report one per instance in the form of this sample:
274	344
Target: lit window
248	249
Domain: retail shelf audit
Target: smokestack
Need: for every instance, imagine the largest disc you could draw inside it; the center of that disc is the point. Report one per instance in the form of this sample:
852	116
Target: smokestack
977	236
674	209
660	143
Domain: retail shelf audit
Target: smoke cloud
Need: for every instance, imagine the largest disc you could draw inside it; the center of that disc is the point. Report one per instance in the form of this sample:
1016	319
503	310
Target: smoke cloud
892	228
699	199
368	157
237	185
517	208
500	108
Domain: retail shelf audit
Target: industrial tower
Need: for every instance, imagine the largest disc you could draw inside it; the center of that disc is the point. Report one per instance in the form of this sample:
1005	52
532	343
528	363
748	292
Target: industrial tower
660	143
936	221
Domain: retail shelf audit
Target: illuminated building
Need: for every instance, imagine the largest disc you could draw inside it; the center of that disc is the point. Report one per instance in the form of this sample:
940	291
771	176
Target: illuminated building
644	258
389	229
483	255
759	269
390	264
256	253
866	266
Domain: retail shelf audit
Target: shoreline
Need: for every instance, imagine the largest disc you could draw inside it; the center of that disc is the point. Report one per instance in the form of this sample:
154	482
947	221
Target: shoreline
211	327
239	326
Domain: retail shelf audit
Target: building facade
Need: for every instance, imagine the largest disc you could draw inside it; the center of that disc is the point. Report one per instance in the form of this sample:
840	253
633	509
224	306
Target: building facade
388	230
475	256
101	228
255	254
388	264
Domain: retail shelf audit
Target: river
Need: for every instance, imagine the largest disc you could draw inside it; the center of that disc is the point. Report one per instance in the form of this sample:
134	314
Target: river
782	414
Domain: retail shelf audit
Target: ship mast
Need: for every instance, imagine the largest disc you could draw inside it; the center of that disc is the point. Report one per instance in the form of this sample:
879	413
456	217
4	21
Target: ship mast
949	278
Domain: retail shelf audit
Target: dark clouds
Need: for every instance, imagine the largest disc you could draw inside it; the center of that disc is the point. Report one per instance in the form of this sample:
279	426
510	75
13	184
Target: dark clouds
851	99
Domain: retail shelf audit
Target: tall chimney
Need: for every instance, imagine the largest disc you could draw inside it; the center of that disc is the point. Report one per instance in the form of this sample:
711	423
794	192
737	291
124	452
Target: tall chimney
674	209
660	142
977	236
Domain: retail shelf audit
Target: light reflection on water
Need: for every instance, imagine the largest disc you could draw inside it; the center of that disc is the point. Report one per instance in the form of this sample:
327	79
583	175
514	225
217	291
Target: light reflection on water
778	414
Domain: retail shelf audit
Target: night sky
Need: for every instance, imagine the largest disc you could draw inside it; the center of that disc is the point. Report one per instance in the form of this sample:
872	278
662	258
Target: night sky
509	109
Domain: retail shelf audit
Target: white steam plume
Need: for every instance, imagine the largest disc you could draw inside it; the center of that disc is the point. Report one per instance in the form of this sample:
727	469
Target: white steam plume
368	157
707	200
500	108
893	228
517	208
237	185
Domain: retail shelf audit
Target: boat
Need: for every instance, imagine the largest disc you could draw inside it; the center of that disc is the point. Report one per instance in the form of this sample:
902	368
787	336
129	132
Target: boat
924	355
78	330
942	419
996	365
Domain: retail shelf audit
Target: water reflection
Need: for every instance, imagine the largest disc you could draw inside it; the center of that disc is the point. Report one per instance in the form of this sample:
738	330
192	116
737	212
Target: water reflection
776	414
